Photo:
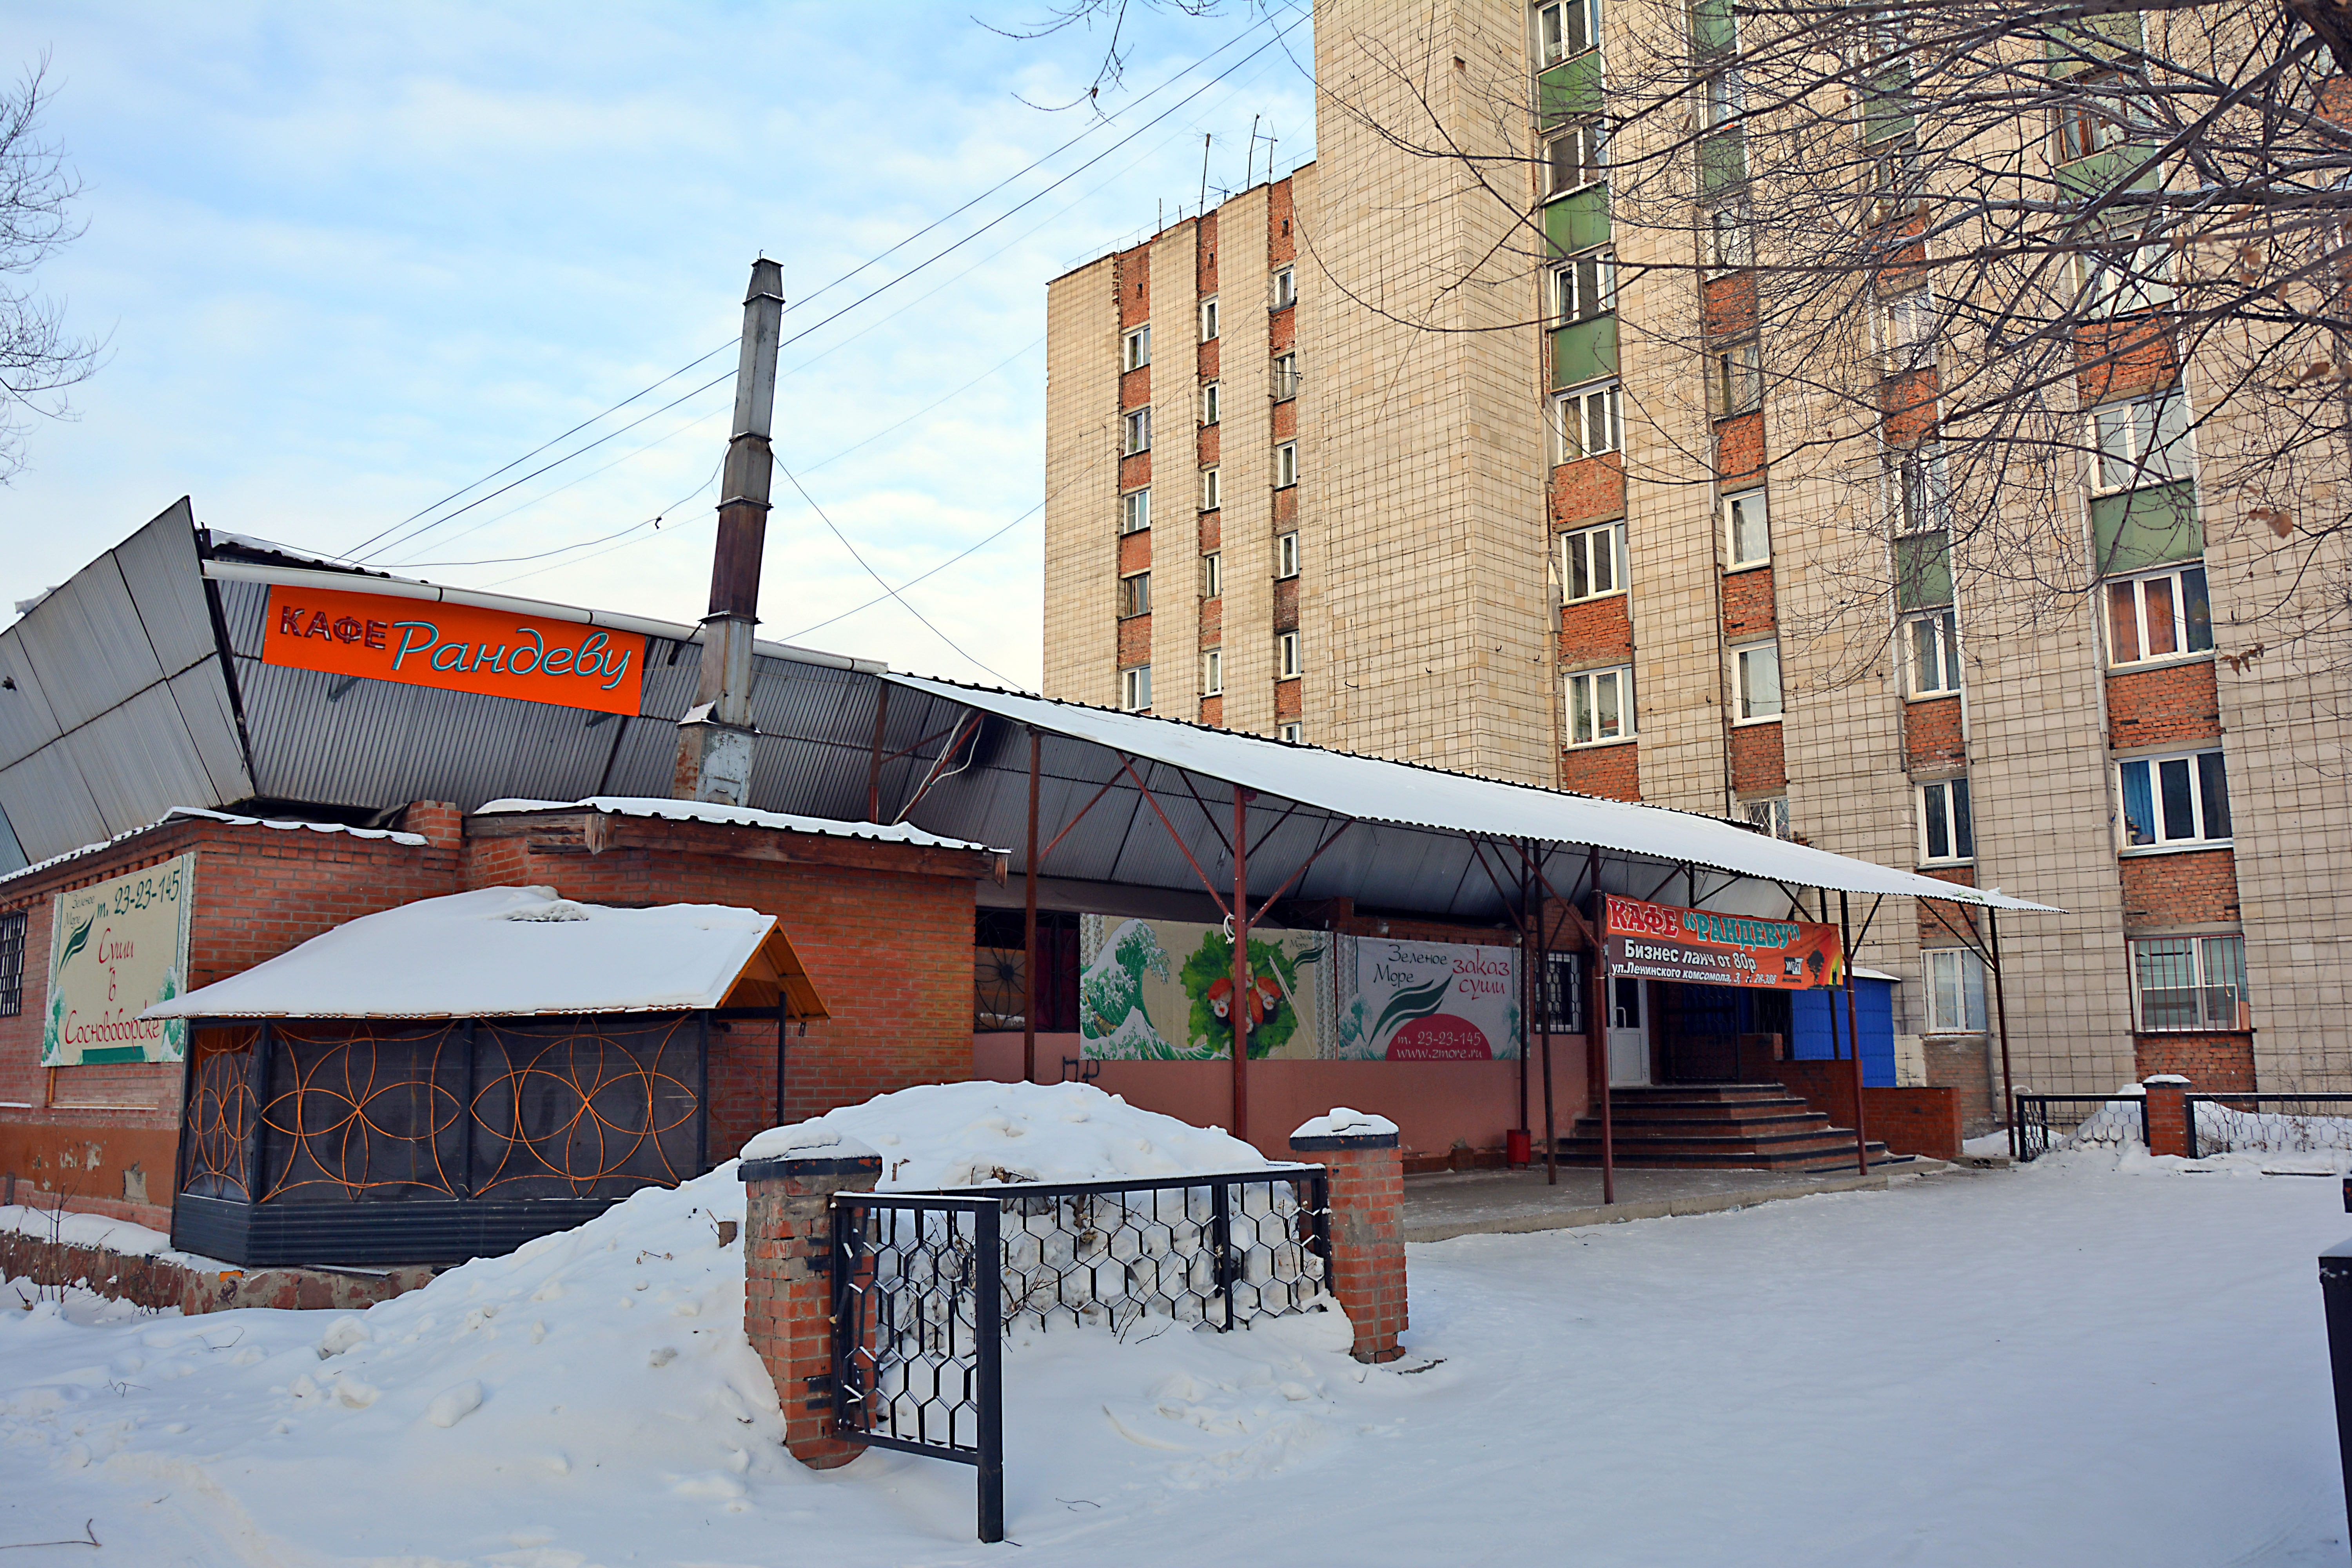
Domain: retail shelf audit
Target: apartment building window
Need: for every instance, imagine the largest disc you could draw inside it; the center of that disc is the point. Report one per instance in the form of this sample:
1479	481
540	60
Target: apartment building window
1213	672
1212	492
1209	390
1209	318
1285	376
2161	615
2189	983
1894	178
1931	655
1286	289
1135	688
1770	815
1563	994
1922	541
1135	595
2127	274
1729	243
1587	421
1285	657
2144	441
1947	832
1573	158
1135	432
1906	330
1567	29
1135	349
1291	730
1739	378
1955	990
1922	492
1758	666
12	962
1600	706
2093	120
1585	287
2174	800
1212	576
1592	562
1285	554
1135	512
1286	465
1723	98
1748	529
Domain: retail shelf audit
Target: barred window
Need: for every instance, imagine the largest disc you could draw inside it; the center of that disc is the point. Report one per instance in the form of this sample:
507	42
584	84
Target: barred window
12	963
2190	983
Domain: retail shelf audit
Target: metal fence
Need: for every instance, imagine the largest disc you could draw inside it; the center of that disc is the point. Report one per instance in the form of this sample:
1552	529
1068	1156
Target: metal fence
919	1334
2046	1122
2269	1124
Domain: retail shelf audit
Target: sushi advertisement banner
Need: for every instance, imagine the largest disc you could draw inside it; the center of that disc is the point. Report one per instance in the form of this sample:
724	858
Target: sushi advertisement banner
115	950
1663	942
1429	1002
1163	991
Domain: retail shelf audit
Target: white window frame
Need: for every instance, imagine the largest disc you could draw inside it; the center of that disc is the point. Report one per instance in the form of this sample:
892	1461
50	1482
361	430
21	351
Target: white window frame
1588	684
1135	688
1212	575
1594	555
2206	953
1285	287
1770	814
1959	821
1210	398
1744	511
2183	629
1565	29
1736	373
2140	440
1285	554
1919	490
2201	834
1906	330
1213	672
1135	349
1729	242
1586	162
1135	595
1212	489
1135	431
1135	510
1894	177
1209	319
1936	635
1286	465
2108	117
1288	661
1292	731
1285	376
2140	279
1573	417
1594	274
1755	668
1953	978
1722	98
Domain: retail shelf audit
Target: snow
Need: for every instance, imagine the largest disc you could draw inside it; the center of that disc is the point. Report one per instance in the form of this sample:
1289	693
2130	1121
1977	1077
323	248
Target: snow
182	813
809	1140
734	816
492	953
1972	1368
965	1134
1341	1122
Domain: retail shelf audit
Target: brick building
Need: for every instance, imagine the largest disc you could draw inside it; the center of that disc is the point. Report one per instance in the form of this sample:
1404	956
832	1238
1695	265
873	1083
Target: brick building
1340	461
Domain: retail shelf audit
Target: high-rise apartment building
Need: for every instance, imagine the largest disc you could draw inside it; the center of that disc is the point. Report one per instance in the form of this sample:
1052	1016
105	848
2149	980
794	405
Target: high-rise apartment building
1442	458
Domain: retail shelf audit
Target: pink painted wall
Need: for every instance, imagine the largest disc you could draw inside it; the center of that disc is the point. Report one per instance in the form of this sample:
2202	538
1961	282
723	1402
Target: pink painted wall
1436	1105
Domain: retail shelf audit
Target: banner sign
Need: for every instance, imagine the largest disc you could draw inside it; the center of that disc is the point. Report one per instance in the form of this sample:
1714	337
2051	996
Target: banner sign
1662	942
1163	991
457	647
1431	1002
115	950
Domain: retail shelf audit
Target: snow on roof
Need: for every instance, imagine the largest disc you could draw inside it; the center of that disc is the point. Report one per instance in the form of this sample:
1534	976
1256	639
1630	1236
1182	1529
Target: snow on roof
180	813
496	952
736	816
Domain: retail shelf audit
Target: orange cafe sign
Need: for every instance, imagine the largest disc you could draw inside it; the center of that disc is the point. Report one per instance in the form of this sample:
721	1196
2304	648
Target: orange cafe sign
457	648
1663	942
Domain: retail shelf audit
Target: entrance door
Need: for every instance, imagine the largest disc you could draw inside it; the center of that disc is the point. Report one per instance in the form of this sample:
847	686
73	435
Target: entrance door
1629	1034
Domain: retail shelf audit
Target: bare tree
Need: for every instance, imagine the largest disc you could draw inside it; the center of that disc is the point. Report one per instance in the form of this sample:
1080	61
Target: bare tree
38	359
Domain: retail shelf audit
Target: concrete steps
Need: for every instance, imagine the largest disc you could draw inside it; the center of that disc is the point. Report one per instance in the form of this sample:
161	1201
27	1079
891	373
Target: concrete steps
1723	1127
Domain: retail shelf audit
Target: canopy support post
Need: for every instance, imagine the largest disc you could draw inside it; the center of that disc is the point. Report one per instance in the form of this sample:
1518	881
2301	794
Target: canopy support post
1853	1034
1598	1056
1527	992
1237	1011
874	767
2001	1002
1029	926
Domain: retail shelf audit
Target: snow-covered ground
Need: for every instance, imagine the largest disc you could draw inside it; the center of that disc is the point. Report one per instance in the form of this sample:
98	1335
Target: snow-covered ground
2094	1359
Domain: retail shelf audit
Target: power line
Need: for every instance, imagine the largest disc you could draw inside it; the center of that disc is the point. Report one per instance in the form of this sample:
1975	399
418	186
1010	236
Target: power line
932	572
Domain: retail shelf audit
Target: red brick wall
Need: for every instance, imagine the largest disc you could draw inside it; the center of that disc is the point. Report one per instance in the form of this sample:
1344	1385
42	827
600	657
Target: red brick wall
1134	552
1135	640
1285	605
1589	489
1286	700
1285	506
1908	1121
1286	413
1931	733
1595	629
1213	530
1281	244
1758	764
1728	305
1213	623
1135	470
1965	1065
1739	447
1212	436
1282	332
1908	406
2128	358
1204	255
1747	602
2213	1064
2181	888
2160	706
1613	772
1212	711
1132	274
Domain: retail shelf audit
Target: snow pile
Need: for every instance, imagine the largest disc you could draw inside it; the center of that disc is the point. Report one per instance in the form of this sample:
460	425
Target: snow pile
2118	1124
730	816
980	1134
1341	1122
2222	1129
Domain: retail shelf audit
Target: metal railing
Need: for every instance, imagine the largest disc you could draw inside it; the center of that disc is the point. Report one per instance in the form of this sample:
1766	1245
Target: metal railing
2268	1124
2046	1121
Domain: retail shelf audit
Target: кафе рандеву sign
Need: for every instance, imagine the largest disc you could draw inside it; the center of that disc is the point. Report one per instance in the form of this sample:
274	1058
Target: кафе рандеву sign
455	648
1663	941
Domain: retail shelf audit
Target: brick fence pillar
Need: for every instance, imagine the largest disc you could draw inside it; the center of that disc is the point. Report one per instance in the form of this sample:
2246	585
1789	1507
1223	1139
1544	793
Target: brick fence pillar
1367	1223
788	1281
2168	1113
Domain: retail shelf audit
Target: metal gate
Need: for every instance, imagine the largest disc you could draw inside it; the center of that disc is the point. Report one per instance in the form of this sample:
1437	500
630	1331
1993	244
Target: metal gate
918	1332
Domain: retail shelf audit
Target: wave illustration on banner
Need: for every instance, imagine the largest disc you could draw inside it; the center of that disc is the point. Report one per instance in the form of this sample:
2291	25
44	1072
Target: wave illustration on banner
1137	1001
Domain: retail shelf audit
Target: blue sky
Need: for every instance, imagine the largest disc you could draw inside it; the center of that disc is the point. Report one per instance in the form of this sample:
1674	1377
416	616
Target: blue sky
349	261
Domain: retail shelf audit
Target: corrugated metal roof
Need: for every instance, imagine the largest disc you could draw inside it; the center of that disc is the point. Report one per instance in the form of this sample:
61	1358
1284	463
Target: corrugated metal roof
228	819
733	816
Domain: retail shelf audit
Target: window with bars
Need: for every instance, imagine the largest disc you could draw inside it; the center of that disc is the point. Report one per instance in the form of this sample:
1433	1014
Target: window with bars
2171	800
1955	990
1600	705
1770	814
2162	615
1931	653
1563	994
1748	530
1592	561
1586	421
2183	983
1946	825
12	962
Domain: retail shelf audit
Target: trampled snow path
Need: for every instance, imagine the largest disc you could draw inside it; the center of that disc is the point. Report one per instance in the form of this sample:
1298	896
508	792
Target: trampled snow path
2064	1363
